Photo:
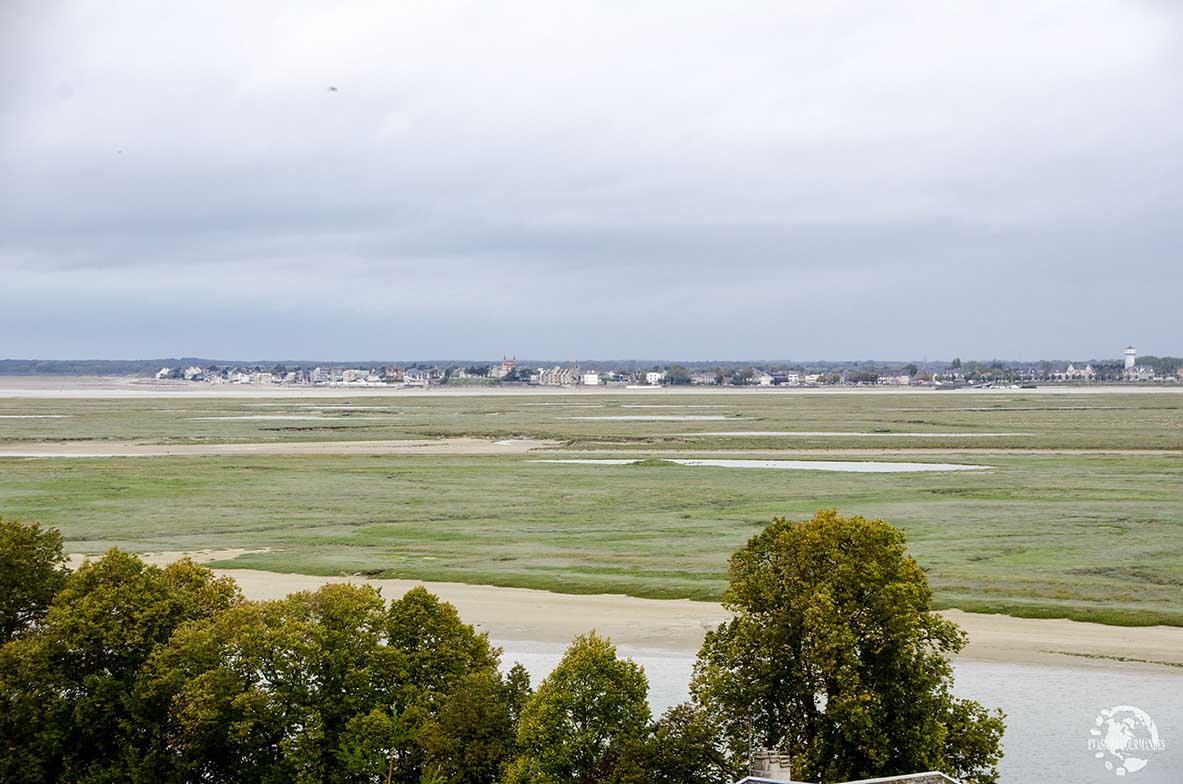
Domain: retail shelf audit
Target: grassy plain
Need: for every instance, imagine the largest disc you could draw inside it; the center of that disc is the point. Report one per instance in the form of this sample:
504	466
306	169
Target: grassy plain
1083	519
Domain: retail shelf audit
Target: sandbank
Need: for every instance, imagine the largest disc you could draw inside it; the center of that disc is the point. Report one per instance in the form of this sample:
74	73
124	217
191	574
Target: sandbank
438	446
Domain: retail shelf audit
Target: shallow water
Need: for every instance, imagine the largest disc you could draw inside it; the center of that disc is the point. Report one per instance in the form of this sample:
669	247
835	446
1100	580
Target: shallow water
1050	710
851	466
279	418
837	434
357	408
671	405
657	418
37	416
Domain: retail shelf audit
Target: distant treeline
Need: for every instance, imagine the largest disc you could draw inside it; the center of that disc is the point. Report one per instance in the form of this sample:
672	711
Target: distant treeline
143	367
1163	366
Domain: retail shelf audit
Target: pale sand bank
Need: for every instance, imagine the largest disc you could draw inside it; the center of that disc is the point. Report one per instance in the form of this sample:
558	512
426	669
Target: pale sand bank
677	626
165	557
439	446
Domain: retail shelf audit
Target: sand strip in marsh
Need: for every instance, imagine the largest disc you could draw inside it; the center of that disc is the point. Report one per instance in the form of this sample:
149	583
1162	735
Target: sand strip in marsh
677	626
440	446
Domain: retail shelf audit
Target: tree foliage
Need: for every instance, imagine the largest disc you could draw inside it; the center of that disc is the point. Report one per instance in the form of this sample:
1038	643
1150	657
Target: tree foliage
584	715
331	686
862	377
144	674
684	747
836	657
68	703
32	571
136	673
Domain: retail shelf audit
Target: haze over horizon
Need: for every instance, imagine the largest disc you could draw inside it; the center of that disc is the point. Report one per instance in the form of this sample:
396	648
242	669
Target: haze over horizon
738	359
457	179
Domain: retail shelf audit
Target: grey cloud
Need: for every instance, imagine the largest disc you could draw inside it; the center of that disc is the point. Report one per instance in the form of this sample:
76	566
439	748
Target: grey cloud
761	179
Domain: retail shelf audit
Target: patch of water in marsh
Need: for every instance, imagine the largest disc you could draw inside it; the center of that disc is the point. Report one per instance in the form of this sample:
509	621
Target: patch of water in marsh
851	466
670	405
841	434
659	418
37	416
282	418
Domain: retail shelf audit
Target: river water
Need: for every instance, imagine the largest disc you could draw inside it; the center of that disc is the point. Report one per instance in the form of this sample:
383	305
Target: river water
1050	709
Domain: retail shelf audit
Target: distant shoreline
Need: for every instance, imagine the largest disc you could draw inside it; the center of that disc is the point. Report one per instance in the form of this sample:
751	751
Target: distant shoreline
116	387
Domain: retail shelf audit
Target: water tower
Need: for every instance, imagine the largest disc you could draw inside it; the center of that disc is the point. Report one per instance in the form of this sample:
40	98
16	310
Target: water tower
1131	357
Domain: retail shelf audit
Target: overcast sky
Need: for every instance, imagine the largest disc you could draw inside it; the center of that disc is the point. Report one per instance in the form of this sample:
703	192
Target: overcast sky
591	180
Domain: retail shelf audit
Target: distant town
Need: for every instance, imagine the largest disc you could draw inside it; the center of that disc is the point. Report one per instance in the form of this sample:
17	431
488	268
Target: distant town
948	375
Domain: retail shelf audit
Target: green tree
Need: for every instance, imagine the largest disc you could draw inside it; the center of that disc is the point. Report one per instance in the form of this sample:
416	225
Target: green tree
677	374
585	715
517	691
836	657
472	736
32	571
272	691
331	686
911	369
68	707
684	748
437	646
743	376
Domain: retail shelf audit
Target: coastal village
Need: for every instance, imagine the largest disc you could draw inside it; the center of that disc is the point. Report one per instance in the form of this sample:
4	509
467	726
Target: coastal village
951	375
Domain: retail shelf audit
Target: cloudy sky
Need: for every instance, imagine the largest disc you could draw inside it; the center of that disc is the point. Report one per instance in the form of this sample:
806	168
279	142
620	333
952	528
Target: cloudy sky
591	180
